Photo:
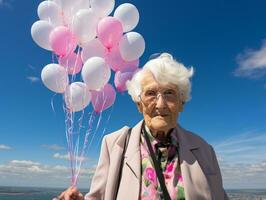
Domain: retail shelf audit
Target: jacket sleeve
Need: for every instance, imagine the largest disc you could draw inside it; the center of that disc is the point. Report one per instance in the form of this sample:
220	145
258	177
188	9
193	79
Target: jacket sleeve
98	183
217	169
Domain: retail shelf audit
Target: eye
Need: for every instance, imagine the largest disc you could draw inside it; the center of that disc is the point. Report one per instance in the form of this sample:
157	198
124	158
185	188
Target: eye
150	93
169	92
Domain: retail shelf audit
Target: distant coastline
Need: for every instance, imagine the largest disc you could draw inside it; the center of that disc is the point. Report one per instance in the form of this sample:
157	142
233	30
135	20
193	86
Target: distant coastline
12	193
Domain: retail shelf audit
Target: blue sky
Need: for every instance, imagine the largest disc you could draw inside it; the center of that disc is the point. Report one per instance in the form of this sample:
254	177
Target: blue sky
223	40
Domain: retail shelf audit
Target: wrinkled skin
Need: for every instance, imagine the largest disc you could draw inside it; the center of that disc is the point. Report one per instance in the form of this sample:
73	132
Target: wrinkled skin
161	116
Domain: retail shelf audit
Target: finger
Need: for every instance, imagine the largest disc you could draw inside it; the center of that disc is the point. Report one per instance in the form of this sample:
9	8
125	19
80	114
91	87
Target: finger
66	194
80	196
67	197
74	190
61	195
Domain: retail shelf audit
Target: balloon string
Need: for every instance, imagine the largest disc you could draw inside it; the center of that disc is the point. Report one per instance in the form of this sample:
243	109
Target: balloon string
76	158
78	155
99	119
104	130
52	103
69	137
71	145
67	121
73	151
88	133
92	116
95	132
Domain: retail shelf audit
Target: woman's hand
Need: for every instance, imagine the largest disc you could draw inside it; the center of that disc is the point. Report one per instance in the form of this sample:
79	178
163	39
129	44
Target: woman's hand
71	193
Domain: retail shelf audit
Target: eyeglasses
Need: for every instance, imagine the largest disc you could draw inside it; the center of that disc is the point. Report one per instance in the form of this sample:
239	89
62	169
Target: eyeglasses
151	96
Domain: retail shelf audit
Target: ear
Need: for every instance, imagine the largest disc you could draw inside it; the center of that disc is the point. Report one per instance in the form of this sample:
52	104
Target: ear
139	105
181	106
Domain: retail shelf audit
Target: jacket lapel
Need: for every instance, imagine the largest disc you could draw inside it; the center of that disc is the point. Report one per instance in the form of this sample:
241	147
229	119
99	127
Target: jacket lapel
130	182
132	155
115	157
195	183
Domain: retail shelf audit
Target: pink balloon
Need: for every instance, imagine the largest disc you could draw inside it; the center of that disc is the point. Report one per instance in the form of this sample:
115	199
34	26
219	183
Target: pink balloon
103	99
113	59
109	31
62	41
120	80
130	66
72	62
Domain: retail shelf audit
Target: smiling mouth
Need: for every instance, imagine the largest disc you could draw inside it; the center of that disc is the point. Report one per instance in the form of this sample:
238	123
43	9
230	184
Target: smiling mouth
161	115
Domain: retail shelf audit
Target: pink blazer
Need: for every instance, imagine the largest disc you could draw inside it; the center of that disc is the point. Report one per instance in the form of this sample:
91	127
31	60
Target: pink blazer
199	168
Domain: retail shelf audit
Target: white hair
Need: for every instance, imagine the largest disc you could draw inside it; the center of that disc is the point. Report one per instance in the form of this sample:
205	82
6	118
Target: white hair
165	69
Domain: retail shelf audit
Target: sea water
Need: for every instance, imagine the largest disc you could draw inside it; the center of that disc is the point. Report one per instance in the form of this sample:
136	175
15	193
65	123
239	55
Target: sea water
33	193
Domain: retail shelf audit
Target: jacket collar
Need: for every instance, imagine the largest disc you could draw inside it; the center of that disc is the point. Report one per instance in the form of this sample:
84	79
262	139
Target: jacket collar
133	148
133	145
190	166
184	139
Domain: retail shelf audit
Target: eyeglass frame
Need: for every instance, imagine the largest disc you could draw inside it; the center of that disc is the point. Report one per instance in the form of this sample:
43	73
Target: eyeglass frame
158	93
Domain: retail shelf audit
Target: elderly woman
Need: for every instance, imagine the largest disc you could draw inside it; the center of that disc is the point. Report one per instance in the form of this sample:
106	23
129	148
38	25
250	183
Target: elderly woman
157	158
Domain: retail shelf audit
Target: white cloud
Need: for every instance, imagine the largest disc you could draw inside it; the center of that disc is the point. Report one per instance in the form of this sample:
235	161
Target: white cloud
23	163
33	79
37	169
54	147
30	173
4	147
21	167
61	156
241	158
67	157
252	63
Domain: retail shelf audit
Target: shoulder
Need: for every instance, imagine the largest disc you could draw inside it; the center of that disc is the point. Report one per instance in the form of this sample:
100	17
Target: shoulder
195	140
203	150
115	137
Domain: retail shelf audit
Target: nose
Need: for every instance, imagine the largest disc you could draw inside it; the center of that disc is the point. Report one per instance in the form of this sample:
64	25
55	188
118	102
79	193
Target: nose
160	101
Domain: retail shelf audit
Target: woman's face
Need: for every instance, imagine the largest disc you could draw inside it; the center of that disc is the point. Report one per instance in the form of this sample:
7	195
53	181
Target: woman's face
159	104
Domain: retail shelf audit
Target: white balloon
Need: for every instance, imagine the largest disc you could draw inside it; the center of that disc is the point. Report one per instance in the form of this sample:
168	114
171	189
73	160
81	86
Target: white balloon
69	8
40	32
95	73
77	96
132	46
103	7
84	25
128	15
55	78
67	4
51	12
83	4
93	48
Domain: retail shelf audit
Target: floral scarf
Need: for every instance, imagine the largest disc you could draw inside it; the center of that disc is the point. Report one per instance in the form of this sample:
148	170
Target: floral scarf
168	157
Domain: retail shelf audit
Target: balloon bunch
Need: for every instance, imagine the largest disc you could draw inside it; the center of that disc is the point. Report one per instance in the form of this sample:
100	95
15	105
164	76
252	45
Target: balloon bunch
86	40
